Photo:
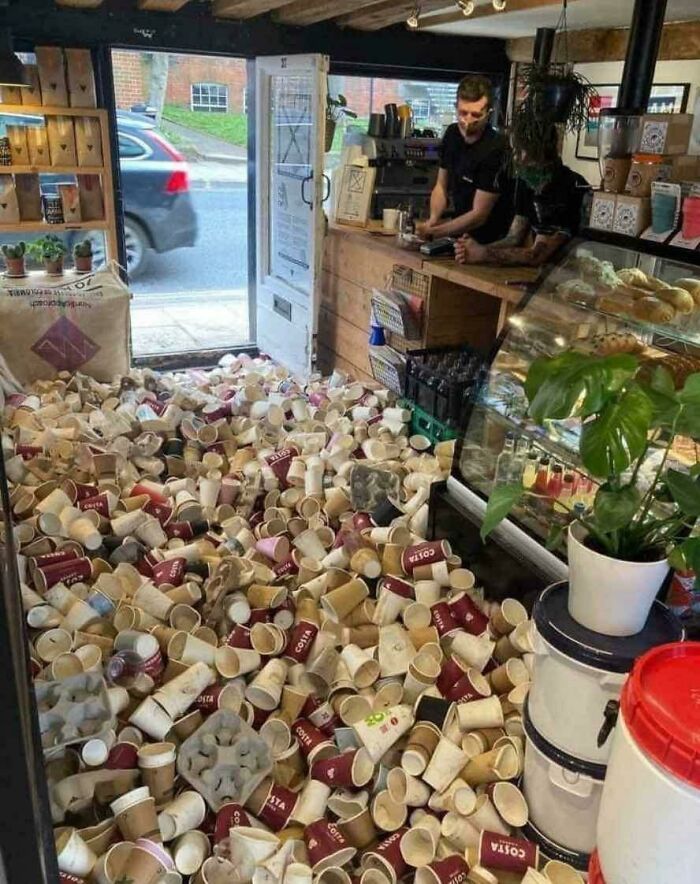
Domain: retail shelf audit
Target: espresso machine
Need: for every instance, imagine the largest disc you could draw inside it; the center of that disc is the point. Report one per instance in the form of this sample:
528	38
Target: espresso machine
407	163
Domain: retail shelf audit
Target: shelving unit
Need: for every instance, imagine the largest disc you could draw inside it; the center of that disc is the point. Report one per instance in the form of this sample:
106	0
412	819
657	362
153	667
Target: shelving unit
108	224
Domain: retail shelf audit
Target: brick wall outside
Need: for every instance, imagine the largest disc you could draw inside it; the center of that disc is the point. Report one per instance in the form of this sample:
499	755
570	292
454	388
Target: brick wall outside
132	73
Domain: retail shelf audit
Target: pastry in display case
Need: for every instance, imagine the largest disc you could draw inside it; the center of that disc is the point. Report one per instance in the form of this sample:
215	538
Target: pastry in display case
602	299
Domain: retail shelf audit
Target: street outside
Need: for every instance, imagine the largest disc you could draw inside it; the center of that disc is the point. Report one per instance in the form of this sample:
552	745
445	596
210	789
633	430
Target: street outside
197	298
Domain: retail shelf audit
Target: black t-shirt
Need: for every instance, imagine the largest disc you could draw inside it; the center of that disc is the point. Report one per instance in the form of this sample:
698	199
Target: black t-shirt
473	167
557	208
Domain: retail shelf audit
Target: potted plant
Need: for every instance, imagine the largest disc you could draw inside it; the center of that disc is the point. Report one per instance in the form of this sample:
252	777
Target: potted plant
82	256
336	109
50	249
555	94
644	509
14	258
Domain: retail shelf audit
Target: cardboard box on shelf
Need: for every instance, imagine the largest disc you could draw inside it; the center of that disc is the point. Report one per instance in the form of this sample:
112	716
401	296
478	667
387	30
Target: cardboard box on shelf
88	140
70	200
62	141
9	207
685	168
38	145
603	210
52	75
632	215
32	93
81	78
665	133
91	200
28	191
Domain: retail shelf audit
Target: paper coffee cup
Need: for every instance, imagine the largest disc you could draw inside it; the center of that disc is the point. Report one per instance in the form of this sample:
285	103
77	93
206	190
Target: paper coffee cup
74	855
186	812
136	819
157	764
444	766
146	862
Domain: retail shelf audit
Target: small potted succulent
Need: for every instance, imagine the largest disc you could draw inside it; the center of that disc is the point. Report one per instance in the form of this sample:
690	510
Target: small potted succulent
14	258
82	256
51	250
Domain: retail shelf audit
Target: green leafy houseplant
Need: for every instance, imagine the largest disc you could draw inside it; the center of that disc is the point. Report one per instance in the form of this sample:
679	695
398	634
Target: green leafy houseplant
50	249
336	110
627	413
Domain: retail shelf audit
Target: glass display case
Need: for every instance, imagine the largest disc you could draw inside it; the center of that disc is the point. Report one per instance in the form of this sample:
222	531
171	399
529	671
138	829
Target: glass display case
592	301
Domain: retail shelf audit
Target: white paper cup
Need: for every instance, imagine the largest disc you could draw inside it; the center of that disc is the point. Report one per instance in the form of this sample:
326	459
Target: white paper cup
183	814
189	852
478	714
444	766
74	855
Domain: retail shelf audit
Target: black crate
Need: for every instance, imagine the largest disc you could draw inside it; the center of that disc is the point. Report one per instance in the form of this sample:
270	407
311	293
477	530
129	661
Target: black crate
440	380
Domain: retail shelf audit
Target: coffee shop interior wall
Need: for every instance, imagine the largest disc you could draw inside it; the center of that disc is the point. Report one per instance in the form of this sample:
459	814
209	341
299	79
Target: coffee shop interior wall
610	72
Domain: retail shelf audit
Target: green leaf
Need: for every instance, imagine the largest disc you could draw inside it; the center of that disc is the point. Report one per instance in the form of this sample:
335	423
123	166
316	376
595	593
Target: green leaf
501	502
613	440
662	382
690	394
663	397
614	508
685	490
690	550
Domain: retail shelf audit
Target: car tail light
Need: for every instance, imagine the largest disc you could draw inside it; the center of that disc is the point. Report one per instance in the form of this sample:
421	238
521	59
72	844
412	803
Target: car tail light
172	152
179	182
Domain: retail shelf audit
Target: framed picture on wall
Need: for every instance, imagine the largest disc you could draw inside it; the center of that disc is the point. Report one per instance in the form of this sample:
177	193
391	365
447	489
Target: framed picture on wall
666	98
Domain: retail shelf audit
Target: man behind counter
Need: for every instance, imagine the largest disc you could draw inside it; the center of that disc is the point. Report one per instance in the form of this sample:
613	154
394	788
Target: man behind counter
548	200
472	157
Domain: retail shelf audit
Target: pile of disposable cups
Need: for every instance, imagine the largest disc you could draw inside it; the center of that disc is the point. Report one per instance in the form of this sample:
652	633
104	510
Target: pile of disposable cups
194	539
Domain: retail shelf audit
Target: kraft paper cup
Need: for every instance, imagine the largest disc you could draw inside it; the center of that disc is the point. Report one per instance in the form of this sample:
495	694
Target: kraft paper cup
422	673
478	714
185	813
187	649
510	803
418	846
267	639
363	669
476	651
407	789
146	862
509	614
359	829
265	691
53	643
508	676
532	876
391	559
157	766
298	873
496	764
388	815
459	831
422	743
427	592
74	855
561	873
443	871
136	818
250	847
177	695
109	866
461	580
444	766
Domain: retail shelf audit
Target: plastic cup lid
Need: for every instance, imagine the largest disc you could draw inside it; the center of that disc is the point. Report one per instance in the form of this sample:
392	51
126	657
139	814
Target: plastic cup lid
611	653
661	710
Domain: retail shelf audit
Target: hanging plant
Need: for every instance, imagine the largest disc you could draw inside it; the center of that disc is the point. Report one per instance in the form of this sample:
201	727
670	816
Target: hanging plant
556	95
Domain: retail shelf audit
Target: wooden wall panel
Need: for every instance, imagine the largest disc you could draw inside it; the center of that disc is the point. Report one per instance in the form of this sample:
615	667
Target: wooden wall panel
339	336
346	299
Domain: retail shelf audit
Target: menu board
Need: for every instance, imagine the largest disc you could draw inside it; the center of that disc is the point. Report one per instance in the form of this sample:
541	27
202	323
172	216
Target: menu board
355	196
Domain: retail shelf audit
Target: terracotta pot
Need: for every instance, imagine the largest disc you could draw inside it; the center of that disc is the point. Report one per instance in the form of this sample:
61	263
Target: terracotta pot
15	266
83	265
55	267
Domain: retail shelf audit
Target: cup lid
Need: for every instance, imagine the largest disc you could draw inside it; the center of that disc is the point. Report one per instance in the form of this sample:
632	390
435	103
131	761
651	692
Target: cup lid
660	708
610	653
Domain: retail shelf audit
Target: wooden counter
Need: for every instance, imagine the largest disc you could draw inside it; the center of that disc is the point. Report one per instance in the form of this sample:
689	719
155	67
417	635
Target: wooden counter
462	304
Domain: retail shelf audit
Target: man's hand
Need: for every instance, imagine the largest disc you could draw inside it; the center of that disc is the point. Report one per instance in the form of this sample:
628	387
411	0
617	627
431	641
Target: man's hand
468	251
424	229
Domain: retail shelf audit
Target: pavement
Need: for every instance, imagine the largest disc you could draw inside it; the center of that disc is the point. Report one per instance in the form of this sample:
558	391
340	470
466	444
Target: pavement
197	298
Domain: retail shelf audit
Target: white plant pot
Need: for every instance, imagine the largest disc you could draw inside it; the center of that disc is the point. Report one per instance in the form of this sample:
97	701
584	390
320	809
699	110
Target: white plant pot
608	595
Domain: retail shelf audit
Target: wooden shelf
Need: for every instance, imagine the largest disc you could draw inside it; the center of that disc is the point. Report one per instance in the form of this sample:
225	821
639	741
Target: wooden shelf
43	227
35	110
52	170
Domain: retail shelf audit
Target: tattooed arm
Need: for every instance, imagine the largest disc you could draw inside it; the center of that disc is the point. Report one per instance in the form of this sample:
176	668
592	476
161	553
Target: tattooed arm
535	255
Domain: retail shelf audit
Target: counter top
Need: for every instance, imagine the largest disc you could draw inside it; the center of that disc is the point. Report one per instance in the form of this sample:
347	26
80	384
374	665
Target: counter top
488	279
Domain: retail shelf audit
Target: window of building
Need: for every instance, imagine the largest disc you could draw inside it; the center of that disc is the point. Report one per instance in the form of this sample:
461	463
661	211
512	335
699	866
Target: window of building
421	109
210	97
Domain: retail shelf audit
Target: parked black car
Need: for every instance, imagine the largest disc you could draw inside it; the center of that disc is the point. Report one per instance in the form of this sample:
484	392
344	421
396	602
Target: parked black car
159	215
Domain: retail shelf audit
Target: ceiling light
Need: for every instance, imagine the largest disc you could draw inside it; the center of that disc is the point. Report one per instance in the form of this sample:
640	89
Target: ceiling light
499	5
12	71
466	6
413	21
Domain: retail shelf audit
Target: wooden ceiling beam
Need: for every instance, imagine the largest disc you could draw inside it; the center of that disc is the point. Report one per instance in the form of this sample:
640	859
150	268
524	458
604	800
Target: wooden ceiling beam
161	5
454	15
310	12
388	12
242	9
80	4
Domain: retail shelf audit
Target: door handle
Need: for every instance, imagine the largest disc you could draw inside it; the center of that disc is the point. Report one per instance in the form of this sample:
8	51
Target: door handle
327	183
304	182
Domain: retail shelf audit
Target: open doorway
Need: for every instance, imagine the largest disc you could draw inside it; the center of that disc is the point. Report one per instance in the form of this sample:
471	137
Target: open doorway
183	134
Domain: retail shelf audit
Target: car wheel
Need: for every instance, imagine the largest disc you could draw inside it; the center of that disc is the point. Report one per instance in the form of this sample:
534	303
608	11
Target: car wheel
137	248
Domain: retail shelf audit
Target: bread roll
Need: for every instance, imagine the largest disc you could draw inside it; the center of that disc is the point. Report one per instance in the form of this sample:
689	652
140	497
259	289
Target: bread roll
631	291
652	309
616	342
692	286
656	285
680	298
616	305
633	276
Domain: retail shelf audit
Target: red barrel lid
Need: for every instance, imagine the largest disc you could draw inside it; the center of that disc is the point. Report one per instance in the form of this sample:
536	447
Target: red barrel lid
661	708
595	876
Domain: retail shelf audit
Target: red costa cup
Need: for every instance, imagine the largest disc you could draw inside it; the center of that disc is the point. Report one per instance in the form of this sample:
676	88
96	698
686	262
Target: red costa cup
300	640
463	691
287	567
452	870
210	700
181	530
388	853
239	637
507	854
161	511
154	665
140	489
67	878
123	756
309	736
52	558
360	521
324	718
146	565
450	674
278	807
443	620
336	771
99	503
27	452
323	840
424	554
280	461
398	586
260	716
74	571
170	571
229	816
83	491
465	611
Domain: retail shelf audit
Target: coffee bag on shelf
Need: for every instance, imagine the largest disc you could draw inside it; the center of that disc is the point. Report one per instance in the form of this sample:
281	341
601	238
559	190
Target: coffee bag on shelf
81	78
38	146
70	201
9	207
28	191
18	145
31	94
91	201
52	75
62	141
88	140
